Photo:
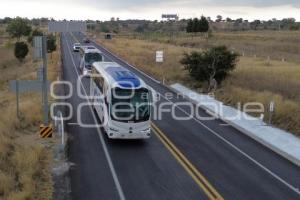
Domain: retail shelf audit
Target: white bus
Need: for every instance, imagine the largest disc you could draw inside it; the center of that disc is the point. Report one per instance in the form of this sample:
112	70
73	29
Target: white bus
122	101
89	55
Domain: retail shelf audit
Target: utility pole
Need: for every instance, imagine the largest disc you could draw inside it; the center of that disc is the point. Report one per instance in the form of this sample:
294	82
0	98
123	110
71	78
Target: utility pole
45	81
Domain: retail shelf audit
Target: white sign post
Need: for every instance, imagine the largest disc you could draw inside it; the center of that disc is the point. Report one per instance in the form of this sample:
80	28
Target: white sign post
159	56
271	111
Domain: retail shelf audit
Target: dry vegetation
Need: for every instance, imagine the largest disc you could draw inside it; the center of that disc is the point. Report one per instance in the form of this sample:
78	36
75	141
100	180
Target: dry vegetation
277	45
24	162
255	78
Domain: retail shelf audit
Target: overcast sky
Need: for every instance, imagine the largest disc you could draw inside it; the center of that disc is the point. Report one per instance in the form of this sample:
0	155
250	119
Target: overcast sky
150	9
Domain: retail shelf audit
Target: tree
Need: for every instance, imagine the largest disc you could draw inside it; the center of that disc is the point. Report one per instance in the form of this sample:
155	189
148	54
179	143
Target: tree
139	29
35	32
189	27
104	28
203	25
21	50
228	19
255	24
213	64
219	18
195	25
239	20
51	43
7	20
18	27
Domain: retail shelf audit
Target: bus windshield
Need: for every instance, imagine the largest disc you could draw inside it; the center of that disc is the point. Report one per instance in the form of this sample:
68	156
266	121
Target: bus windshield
130	105
90	58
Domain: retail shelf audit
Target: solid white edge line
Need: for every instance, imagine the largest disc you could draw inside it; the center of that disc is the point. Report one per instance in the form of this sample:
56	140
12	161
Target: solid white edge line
107	155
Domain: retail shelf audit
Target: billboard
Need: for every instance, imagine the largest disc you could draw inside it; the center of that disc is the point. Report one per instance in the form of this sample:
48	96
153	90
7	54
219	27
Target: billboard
170	16
67	26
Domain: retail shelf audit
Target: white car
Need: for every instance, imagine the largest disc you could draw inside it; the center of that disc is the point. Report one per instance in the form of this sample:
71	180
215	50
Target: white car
76	47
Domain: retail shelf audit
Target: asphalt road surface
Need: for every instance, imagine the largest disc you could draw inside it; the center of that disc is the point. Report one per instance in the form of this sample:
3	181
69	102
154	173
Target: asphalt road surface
190	159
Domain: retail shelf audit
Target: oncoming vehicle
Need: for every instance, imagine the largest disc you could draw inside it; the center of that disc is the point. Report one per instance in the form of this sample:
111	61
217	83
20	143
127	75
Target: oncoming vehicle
122	101
83	48
89	55
76	47
86	40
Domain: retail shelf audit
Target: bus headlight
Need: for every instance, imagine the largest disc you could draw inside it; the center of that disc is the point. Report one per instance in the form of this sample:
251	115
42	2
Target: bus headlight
113	129
146	131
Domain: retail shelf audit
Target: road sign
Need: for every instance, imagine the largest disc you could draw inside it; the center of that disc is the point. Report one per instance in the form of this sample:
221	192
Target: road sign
37	44
170	16
67	26
272	111
46	131
159	56
39	85
26	86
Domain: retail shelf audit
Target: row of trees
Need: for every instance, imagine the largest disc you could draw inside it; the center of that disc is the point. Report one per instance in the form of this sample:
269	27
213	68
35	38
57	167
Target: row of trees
243	24
20	28
197	25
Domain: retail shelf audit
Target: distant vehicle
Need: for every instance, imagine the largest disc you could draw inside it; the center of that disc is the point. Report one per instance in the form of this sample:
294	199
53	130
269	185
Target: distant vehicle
76	47
86	40
89	55
108	36
83	48
116	89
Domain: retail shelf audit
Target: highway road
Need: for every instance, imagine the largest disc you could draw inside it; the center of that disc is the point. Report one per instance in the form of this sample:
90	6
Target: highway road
189	159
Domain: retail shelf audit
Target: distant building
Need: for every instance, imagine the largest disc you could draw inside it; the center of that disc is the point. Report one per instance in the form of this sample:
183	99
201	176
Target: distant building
170	17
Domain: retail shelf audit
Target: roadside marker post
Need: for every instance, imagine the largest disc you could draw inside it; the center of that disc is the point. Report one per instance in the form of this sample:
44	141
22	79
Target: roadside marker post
46	131
271	111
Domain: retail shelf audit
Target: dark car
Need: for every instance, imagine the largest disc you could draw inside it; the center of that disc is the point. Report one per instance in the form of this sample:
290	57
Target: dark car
86	40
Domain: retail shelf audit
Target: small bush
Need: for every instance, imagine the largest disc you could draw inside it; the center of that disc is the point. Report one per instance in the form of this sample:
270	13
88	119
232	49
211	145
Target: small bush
51	43
215	63
21	50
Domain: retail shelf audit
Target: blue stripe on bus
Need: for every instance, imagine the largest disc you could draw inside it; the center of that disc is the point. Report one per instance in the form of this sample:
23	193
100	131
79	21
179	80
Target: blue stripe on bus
123	77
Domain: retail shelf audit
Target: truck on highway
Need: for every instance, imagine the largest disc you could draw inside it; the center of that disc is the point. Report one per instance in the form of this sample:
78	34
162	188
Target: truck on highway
121	100
89	55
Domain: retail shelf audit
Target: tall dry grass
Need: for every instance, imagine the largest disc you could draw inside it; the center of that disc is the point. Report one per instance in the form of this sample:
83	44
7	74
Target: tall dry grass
25	164
142	54
255	79
274	44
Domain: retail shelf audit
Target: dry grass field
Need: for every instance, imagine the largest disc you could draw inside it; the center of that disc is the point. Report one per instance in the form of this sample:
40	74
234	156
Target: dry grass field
255	78
277	45
25	163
